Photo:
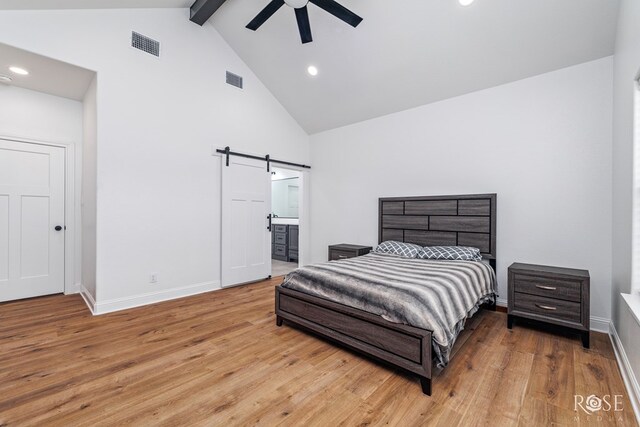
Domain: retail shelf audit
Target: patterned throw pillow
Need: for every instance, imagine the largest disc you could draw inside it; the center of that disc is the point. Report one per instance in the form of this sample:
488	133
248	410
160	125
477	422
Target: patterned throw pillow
407	250
458	253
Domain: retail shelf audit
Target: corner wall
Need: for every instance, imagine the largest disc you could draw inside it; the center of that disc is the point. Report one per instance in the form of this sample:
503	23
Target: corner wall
159	120
626	69
89	202
543	144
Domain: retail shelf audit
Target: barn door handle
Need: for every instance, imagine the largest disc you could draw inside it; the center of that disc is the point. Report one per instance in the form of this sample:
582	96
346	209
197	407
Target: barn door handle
269	226
58	227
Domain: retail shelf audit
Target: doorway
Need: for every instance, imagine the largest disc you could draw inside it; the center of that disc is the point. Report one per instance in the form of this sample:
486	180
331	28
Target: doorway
285	236
32	220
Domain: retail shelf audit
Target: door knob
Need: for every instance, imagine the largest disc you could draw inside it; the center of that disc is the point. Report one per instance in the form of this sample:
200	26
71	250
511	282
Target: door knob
58	228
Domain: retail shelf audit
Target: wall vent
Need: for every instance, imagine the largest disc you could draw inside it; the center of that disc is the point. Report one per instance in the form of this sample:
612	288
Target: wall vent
234	80
145	44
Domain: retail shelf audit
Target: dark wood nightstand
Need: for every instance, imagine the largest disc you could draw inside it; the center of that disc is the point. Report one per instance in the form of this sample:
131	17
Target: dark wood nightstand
554	295
344	251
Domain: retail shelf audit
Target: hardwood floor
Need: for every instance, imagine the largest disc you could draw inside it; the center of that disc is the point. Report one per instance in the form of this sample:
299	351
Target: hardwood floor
219	359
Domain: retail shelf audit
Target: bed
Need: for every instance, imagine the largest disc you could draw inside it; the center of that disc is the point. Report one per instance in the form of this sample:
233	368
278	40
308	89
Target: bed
381	305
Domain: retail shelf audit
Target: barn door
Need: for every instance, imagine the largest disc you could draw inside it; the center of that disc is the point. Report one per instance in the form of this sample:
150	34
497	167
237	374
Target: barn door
246	234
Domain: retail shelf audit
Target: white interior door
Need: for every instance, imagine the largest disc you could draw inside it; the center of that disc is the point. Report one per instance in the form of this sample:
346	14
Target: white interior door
246	205
31	206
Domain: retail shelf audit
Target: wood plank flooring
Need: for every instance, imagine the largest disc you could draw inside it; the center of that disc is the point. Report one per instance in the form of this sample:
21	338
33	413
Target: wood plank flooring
219	359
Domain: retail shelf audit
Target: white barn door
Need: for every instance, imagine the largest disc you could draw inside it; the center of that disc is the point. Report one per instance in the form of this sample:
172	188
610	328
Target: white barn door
246	206
32	181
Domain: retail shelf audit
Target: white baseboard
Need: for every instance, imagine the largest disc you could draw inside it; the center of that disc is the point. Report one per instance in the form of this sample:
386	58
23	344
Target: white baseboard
600	324
75	289
630	380
88	298
117	304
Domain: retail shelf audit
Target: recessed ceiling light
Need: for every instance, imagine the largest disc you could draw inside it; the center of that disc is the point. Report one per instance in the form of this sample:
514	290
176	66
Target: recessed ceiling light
19	70
312	70
5	79
465	2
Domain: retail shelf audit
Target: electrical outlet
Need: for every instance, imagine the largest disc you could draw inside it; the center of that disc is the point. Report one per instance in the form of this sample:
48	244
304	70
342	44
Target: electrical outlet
153	278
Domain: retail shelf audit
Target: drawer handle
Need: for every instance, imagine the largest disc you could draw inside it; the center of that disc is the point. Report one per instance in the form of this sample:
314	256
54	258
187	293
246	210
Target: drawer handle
342	256
546	307
546	288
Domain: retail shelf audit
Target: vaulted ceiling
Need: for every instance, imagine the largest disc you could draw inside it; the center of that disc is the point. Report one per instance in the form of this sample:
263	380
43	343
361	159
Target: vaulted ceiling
411	52
404	53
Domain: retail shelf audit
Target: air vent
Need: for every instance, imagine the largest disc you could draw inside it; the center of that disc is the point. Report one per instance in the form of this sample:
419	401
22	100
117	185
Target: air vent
145	44
234	80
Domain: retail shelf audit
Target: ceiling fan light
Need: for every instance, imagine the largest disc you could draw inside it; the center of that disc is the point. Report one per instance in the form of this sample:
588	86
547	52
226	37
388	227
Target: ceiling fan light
296	4
302	15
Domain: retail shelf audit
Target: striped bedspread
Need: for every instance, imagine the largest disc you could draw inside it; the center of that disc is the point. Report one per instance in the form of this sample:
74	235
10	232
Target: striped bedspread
434	295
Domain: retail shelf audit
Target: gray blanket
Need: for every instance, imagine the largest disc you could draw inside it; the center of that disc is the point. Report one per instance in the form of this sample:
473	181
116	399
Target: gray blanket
434	295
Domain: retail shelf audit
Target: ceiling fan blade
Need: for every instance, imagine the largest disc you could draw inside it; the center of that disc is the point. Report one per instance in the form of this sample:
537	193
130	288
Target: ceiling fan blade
302	15
265	14
338	11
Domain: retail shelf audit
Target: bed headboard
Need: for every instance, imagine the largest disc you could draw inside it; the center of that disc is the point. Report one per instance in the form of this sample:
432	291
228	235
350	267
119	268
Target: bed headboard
468	220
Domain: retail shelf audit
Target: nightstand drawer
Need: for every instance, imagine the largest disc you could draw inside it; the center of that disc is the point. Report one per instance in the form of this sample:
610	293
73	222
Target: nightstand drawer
548	287
547	307
336	254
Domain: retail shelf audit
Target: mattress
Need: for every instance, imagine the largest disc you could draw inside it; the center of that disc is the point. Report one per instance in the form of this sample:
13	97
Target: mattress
434	295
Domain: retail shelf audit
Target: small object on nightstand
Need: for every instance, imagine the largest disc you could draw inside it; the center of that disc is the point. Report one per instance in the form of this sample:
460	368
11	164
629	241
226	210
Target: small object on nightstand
344	251
553	295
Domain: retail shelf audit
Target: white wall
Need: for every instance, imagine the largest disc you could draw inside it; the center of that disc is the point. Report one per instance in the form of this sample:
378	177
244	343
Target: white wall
89	176
542	144
31	115
626	68
34	115
158	189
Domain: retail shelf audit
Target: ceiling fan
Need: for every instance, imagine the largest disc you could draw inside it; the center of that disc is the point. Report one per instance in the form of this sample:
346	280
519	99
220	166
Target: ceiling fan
302	15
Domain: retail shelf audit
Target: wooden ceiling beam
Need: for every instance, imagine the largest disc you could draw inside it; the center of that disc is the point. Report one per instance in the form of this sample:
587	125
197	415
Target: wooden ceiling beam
202	10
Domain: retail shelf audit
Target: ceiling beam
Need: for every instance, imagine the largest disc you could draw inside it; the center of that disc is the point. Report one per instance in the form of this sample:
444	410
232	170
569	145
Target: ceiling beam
202	10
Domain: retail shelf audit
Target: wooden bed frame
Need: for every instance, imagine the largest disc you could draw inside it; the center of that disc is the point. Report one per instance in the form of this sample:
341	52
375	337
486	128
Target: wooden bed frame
468	220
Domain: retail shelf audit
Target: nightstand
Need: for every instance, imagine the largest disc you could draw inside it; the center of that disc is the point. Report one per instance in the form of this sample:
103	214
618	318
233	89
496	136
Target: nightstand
553	295
344	251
